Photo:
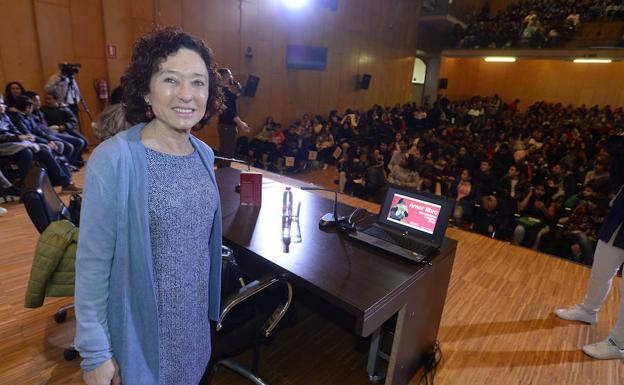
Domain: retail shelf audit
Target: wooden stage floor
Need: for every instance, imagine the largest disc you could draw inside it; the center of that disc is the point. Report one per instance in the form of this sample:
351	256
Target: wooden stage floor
497	327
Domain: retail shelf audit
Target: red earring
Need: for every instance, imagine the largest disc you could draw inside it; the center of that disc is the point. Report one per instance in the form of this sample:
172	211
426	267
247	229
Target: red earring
149	114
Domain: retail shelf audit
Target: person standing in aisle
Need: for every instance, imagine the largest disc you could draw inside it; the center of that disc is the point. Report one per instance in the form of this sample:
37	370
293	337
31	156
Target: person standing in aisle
608	258
229	121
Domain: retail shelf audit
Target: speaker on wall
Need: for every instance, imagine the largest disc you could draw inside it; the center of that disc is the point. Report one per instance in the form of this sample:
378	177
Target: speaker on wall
366	79
443	83
251	86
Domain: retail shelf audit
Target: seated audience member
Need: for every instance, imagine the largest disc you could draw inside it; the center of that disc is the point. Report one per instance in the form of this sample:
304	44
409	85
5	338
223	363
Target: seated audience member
405	173
12	91
600	173
354	172
79	145
111	122
374	179
344	133
589	190
351	118
22	149
537	211
15	146
21	116
305	137
7	188
276	143
494	217
258	145
325	146
317	125
582	226
484	178
465	194
464	160
514	185
502	159
291	148
430	183
61	116
566	184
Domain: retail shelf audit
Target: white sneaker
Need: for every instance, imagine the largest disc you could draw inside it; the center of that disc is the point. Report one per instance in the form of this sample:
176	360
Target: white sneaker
577	313
604	350
3	211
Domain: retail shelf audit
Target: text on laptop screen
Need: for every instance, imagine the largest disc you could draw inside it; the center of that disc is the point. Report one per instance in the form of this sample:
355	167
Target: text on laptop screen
414	213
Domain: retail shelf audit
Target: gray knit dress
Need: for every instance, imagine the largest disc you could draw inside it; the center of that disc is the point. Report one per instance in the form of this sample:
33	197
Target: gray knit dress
181	202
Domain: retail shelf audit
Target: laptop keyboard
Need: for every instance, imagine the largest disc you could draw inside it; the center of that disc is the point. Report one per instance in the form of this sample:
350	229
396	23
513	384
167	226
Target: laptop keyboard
404	242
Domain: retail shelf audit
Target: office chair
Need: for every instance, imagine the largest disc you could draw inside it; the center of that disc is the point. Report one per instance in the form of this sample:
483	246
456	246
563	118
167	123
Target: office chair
44	206
247	320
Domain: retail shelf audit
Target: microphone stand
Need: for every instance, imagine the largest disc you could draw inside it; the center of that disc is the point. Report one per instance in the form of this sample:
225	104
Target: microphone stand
330	219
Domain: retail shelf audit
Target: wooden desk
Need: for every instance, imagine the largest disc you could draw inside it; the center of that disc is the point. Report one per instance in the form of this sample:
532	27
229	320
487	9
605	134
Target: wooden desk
366	283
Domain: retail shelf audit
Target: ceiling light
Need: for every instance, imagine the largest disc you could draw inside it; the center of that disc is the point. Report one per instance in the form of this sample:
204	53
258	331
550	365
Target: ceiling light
500	59
294	3
592	60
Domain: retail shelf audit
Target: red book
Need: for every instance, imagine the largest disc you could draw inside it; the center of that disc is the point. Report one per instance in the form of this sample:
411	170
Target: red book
250	188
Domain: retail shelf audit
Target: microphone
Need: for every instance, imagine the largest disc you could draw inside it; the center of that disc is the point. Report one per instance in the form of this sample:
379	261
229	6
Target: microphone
237	187
235	161
330	219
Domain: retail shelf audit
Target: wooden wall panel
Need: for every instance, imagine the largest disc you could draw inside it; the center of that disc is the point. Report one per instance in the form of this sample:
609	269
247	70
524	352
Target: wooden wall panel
19	45
170	13
54	26
118	25
535	80
73	32
363	36
87	21
88	40
194	20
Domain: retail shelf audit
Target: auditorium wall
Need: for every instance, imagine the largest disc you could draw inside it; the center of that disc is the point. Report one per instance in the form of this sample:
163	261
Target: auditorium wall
37	35
362	36
535	80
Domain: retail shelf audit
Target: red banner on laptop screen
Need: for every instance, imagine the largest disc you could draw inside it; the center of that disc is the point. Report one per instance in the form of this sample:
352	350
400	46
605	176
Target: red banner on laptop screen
415	213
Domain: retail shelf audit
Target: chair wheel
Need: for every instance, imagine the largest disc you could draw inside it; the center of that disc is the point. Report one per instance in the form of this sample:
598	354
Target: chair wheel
60	316
70	354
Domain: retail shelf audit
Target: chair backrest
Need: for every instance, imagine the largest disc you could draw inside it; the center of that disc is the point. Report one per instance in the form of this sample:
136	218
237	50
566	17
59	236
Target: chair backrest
42	203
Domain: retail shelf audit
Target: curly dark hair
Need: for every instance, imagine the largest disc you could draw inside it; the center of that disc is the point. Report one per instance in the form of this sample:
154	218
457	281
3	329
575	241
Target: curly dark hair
8	96
150	51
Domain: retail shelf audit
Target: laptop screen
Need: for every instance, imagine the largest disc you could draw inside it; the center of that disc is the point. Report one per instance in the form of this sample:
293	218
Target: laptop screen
417	213
414	213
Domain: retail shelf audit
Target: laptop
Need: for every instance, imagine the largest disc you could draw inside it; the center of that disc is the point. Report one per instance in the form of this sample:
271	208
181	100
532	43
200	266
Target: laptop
410	224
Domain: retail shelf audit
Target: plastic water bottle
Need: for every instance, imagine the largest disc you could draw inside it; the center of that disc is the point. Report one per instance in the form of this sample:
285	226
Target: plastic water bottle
286	222
287	203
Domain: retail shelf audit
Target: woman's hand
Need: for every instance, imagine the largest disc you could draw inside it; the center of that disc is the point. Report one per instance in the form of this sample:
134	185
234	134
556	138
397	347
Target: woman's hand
26	138
105	374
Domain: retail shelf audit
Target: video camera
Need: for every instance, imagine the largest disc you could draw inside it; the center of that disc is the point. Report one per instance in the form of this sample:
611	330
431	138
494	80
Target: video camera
68	70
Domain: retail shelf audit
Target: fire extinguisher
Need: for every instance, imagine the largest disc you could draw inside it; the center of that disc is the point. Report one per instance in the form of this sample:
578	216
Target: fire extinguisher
101	88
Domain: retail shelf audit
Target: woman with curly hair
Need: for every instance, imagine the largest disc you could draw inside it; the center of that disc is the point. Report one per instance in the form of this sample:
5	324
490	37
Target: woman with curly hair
12	91
148	265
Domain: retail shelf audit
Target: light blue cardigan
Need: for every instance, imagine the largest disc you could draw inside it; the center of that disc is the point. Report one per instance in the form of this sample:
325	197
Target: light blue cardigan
115	299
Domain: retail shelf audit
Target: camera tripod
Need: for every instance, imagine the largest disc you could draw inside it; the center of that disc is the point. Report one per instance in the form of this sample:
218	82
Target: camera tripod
74	91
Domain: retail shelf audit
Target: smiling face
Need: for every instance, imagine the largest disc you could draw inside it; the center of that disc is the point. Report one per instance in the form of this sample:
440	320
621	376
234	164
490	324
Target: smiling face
179	90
